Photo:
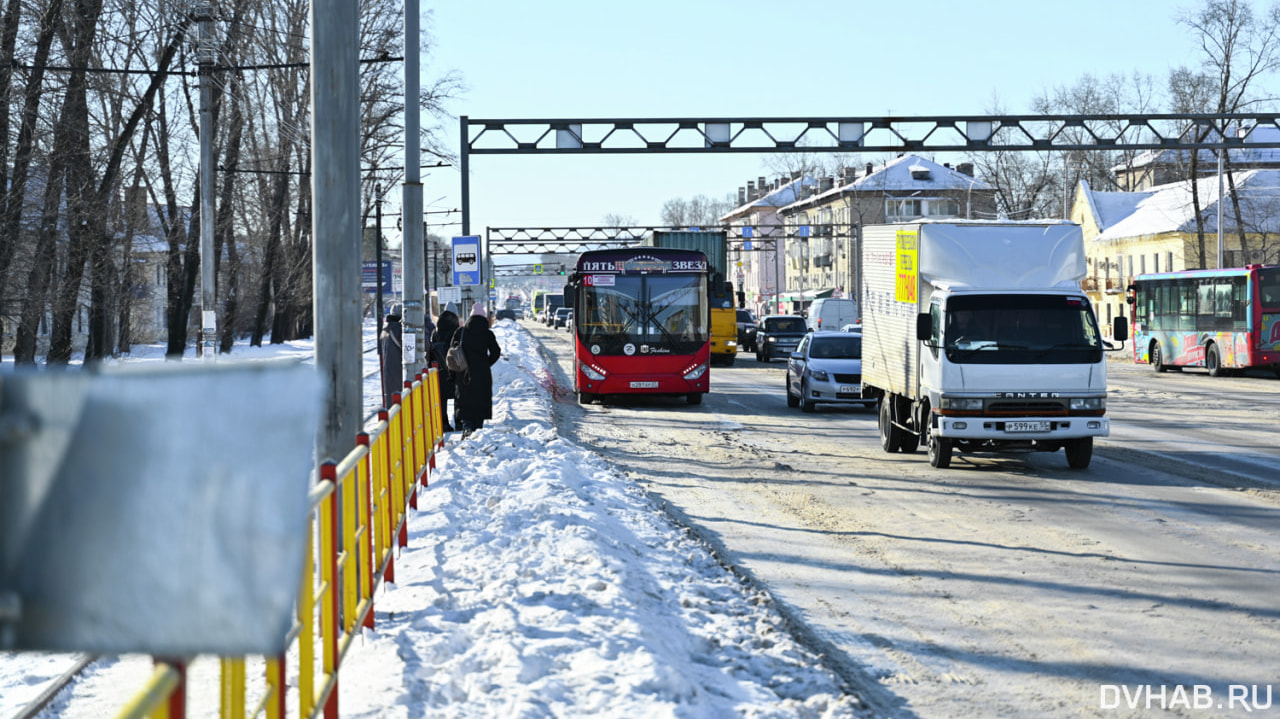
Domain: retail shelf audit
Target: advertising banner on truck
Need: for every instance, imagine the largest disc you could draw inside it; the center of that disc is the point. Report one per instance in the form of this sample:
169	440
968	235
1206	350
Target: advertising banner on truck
908	266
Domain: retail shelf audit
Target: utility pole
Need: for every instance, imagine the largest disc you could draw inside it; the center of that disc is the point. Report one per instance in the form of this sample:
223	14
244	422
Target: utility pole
335	221
414	314
205	55
377	239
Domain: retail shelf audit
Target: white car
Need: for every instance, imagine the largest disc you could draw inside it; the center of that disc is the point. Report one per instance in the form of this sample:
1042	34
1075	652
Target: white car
826	367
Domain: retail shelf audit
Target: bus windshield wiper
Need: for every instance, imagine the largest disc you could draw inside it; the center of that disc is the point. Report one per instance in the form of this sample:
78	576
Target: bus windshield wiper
666	334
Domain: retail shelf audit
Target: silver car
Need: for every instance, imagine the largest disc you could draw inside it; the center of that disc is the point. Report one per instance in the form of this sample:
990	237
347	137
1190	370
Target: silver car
826	367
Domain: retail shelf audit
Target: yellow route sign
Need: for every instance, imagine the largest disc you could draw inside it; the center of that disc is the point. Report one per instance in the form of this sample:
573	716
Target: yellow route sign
908	270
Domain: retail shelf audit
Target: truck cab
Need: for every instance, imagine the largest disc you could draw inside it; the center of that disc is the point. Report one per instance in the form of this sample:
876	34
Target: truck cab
1032	362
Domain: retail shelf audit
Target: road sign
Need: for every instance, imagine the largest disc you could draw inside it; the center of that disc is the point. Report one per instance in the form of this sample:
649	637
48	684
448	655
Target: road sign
466	260
369	272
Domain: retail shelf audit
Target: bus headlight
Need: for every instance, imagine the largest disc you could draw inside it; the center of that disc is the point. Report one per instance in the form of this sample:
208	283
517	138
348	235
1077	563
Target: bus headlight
695	372
1093	403
591	372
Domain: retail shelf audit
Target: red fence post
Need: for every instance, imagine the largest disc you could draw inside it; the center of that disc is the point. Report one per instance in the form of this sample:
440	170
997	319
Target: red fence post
329	471
384	416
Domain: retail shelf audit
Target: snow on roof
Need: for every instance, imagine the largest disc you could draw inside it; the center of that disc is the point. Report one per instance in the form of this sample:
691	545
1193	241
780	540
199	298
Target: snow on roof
1111	207
780	197
1168	208
1243	156
900	175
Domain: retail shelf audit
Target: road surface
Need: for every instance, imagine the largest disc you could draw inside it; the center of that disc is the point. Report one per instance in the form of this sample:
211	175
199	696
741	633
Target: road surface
1005	586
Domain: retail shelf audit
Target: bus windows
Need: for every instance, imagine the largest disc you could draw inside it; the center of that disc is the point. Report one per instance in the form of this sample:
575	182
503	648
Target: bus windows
1269	289
1186	296
1239	304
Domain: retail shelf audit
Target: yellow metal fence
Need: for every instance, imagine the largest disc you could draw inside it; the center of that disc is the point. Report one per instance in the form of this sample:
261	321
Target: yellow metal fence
359	513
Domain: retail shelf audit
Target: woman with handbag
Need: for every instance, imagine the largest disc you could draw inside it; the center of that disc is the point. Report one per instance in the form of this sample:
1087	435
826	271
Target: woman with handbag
446	325
474	386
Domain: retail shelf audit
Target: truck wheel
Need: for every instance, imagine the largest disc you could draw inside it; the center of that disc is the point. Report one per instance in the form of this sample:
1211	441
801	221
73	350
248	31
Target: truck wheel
1157	359
728	360
939	451
1079	452
806	405
939	448
1213	361
890	435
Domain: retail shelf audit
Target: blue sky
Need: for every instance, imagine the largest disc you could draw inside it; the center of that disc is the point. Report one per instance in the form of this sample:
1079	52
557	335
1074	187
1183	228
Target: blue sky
691	58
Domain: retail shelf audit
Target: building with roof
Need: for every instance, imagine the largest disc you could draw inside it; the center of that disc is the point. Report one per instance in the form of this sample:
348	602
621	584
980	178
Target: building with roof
1132	233
1155	168
821	227
755	238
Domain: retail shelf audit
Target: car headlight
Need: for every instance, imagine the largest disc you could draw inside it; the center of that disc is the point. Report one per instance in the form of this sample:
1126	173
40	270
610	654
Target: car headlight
819	374
591	372
770	339
963	404
695	372
1094	403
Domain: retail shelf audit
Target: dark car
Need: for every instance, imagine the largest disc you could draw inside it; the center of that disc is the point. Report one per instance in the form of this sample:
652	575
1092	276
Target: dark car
506	314
778	336
746	331
561	317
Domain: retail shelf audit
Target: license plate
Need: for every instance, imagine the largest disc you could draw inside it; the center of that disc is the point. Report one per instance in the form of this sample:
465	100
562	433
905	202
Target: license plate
1026	426
850	388
644	385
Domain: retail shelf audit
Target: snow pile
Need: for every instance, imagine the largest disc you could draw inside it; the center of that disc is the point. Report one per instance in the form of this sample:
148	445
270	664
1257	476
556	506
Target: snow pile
538	582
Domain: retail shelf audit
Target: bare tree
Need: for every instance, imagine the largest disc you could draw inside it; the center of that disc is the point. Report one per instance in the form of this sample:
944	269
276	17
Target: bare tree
1236	48
697	211
1090	95
1027	184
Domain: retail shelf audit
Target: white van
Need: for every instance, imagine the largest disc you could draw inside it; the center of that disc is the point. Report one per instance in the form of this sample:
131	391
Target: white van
832	314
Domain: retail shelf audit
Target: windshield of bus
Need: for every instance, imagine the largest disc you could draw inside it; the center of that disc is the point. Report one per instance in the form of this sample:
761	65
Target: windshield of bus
1269	289
1020	329
651	314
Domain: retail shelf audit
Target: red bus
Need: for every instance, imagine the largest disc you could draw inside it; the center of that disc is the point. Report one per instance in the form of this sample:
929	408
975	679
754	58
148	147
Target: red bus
641	323
1223	320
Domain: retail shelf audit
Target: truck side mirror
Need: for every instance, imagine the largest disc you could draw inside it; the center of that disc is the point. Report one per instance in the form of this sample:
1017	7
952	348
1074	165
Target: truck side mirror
568	296
924	327
1120	329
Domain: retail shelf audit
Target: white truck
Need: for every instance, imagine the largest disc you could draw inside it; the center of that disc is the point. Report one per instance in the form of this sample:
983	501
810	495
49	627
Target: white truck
977	338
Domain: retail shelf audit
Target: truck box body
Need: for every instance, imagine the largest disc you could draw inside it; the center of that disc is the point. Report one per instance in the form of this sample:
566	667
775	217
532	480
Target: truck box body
723	320
712	244
1013	339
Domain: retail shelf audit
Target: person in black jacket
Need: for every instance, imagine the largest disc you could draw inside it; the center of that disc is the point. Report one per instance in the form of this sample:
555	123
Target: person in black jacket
474	388
392	357
446	325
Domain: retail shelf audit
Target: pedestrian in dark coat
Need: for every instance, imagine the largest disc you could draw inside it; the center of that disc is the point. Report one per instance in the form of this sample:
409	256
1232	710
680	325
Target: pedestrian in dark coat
392	344
474	392
446	325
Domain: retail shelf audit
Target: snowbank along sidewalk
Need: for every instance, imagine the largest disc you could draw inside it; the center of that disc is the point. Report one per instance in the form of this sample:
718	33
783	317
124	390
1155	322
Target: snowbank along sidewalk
539	582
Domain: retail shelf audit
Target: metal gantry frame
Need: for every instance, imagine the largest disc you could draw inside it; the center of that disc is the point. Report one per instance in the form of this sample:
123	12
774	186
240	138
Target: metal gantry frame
853	134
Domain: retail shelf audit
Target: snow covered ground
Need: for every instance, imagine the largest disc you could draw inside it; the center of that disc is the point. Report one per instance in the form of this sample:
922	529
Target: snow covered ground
538	582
